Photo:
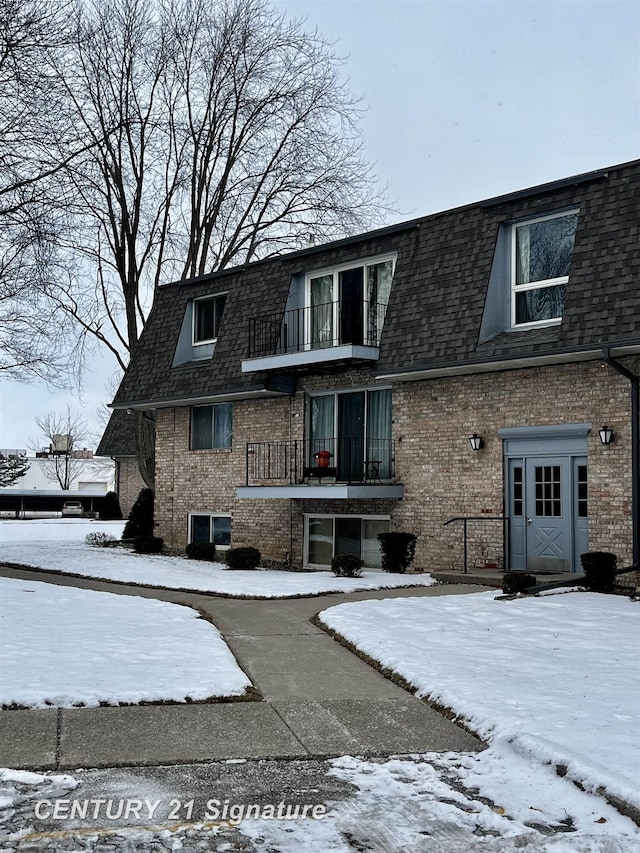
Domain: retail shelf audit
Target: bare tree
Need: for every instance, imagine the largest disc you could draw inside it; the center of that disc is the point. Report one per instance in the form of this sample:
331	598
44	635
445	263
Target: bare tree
62	434
12	468
214	134
36	337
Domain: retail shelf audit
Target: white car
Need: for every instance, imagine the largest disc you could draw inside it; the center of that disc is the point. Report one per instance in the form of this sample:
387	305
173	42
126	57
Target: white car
72	509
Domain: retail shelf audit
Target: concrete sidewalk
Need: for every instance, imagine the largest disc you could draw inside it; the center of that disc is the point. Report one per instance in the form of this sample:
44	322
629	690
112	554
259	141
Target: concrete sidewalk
320	700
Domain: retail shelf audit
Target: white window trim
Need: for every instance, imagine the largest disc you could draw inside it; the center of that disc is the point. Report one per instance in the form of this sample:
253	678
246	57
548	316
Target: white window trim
335	271
211	515
194	342
535	285
308	515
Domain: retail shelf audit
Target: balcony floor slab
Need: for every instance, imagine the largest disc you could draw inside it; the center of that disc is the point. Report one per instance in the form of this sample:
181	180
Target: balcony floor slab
333	491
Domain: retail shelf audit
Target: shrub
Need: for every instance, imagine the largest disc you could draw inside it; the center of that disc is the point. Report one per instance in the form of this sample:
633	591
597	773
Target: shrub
110	510
514	582
147	544
347	566
99	539
599	570
201	551
398	551
140	521
242	558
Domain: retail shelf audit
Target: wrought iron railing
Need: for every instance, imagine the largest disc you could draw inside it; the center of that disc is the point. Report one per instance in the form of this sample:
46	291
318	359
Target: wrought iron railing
364	461
331	324
465	519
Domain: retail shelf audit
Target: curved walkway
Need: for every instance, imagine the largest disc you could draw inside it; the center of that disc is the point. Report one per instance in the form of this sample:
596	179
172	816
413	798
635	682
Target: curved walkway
320	700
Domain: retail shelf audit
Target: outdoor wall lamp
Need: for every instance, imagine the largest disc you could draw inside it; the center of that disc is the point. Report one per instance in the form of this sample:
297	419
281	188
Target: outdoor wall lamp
607	435
476	442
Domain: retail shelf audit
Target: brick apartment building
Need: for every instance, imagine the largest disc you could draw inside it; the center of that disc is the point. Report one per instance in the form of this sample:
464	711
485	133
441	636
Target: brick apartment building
472	364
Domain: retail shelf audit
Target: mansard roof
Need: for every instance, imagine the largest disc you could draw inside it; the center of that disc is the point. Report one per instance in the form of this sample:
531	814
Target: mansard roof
438	298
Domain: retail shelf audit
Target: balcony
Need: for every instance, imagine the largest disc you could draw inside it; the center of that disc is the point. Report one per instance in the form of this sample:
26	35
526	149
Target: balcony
336	468
342	331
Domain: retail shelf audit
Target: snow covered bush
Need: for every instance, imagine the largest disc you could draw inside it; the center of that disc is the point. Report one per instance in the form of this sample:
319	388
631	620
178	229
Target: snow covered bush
599	570
148	544
99	539
201	551
515	582
347	566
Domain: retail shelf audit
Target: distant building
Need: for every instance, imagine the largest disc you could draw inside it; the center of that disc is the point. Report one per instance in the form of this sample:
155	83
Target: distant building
118	442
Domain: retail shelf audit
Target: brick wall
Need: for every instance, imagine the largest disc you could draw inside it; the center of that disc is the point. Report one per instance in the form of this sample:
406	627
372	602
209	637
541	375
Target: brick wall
444	478
432	421
129	483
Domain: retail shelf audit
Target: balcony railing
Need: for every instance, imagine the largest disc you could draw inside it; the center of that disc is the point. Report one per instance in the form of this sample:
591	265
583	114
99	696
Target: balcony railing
357	461
330	324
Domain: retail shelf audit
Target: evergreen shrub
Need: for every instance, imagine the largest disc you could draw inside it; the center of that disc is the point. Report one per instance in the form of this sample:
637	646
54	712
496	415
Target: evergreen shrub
398	550
242	558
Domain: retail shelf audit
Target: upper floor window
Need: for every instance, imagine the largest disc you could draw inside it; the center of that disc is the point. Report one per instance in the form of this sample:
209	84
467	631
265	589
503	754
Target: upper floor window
211	426
347	305
207	316
540	261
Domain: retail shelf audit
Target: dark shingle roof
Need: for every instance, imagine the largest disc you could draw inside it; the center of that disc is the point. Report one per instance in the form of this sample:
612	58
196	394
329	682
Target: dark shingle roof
438	295
118	438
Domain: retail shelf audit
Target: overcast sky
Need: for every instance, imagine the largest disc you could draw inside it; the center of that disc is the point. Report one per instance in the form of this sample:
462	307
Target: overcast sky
465	100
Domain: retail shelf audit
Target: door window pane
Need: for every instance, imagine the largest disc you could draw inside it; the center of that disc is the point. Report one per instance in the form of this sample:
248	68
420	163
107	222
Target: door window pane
517	490
320	541
350	436
583	506
371	553
547	490
348	532
351	306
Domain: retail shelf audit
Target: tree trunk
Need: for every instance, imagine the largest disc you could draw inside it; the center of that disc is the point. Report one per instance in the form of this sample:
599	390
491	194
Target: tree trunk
145	433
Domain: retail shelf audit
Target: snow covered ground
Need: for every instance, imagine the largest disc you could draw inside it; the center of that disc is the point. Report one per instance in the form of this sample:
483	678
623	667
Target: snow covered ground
555	678
63	647
412	804
28	543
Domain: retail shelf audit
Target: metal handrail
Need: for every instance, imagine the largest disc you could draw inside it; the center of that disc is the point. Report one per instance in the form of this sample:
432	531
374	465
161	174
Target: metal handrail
330	324
466	518
350	460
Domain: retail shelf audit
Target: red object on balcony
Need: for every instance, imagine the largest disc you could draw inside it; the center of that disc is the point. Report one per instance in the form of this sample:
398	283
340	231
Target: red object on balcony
322	457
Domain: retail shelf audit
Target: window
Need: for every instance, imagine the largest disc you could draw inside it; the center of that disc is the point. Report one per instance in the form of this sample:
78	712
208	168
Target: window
209	527
355	427
540	261
327	536
347	305
207	315
211	426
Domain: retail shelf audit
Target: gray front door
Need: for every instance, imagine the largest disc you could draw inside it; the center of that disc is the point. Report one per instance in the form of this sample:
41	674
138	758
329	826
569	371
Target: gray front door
546	496
548	518
547	507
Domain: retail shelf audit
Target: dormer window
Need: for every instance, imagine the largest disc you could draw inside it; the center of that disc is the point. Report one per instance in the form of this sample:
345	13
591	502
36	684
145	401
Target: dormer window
207	316
347	304
540	260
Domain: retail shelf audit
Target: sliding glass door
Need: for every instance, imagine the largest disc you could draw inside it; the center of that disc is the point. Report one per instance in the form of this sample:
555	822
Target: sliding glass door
355	427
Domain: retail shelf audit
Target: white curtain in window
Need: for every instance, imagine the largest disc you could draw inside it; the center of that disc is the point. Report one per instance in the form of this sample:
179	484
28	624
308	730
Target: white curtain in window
223	425
379	430
379	278
321	311
322	425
